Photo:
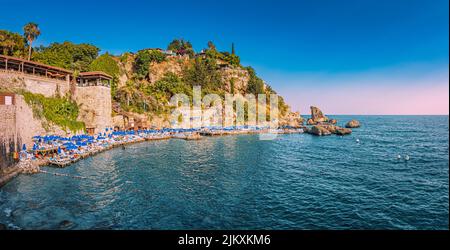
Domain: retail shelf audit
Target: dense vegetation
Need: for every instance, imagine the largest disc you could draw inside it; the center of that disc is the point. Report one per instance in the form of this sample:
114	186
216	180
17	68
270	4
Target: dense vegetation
143	60
138	95
67	55
107	64
181	47
255	84
57	110
12	44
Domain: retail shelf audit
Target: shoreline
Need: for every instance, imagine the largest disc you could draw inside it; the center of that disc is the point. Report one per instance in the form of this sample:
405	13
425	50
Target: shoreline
28	166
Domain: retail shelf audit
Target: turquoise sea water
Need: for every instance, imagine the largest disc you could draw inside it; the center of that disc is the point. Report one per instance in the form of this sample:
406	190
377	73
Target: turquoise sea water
240	182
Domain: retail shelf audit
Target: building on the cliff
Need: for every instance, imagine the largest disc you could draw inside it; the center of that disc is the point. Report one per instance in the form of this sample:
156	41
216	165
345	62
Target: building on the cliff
94	78
92	94
164	51
18	65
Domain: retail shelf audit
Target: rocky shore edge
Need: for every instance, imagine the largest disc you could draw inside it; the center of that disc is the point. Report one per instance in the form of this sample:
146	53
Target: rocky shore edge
318	125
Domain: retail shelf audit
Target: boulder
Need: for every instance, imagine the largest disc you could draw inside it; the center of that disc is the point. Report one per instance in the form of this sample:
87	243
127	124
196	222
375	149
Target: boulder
329	127
333	121
311	122
317	115
353	124
343	131
319	130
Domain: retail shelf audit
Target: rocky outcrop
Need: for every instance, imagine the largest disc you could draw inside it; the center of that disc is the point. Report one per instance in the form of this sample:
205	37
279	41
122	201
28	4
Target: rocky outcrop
328	129
333	121
173	65
319	131
317	115
310	122
343	131
292	119
235	79
353	124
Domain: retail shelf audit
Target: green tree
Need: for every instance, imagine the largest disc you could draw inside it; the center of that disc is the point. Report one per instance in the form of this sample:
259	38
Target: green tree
12	44
67	55
107	64
143	60
255	84
31	33
203	72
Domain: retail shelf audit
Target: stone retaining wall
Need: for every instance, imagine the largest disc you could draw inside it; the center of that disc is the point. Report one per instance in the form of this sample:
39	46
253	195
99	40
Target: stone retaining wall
34	84
95	107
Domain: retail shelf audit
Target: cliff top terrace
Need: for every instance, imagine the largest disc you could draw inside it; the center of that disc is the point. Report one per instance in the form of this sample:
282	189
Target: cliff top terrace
11	64
94	78
14	64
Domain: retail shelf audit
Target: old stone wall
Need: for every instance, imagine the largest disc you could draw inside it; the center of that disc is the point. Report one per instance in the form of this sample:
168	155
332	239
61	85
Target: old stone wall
7	121
95	107
34	84
28	126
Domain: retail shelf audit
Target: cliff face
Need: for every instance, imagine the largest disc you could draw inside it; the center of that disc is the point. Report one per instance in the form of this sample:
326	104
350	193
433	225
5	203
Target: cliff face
170	65
234	79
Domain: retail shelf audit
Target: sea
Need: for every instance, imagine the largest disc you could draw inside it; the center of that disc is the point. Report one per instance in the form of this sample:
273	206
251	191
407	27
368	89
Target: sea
392	173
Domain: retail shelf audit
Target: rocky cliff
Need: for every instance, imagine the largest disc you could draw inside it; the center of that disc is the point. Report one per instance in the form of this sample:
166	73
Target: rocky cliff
233	79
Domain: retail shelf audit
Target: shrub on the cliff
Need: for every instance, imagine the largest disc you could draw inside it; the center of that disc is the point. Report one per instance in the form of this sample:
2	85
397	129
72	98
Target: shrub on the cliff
132	98
255	84
204	73
58	110
144	58
168	86
108	65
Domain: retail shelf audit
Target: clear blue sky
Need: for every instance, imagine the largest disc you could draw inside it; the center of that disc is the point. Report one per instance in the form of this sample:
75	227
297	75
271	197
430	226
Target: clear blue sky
292	44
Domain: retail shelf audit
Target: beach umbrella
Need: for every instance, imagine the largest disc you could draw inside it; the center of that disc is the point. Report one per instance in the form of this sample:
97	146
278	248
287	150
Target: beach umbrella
35	147
59	150
24	147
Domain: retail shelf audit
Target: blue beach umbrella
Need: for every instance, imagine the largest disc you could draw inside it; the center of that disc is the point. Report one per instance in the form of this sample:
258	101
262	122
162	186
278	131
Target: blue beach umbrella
24	147
59	150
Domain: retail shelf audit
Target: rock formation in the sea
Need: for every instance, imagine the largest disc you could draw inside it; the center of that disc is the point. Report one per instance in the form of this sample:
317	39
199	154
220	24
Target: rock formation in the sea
317	115
343	131
327	129
353	124
319	130
292	119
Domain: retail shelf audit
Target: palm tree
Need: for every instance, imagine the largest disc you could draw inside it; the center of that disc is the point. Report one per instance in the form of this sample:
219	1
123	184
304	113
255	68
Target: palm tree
31	32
